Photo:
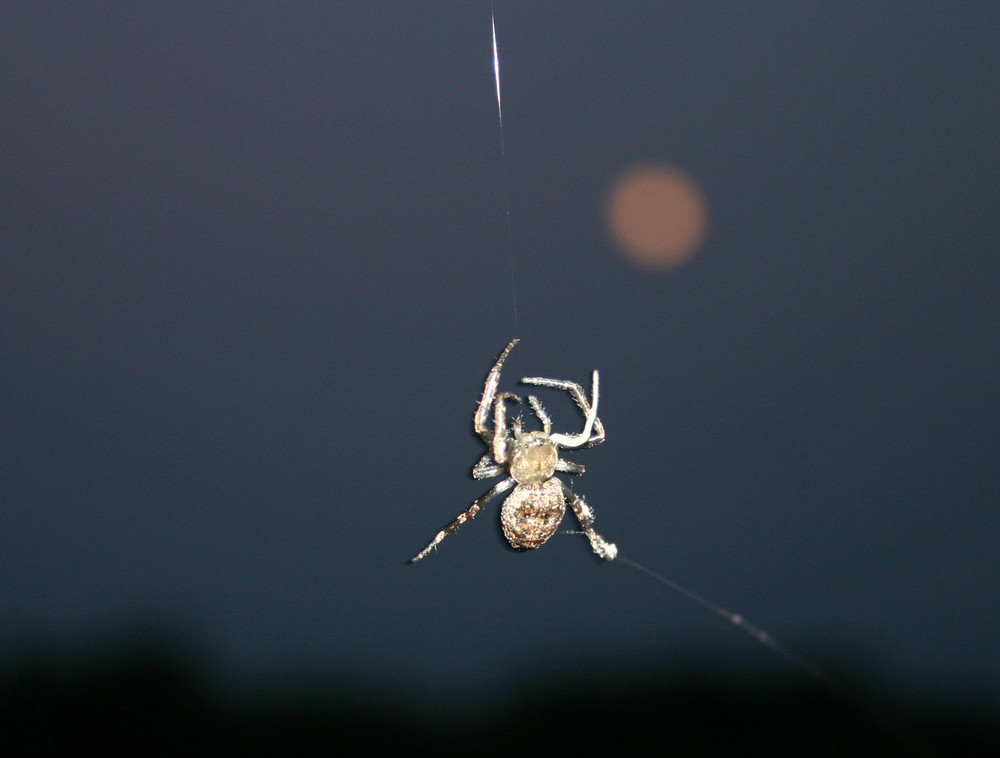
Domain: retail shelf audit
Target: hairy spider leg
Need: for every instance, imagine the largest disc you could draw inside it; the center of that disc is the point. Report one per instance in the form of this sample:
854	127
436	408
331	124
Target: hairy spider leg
593	430
585	515
489	391
500	435
568	467
536	406
487	468
472	510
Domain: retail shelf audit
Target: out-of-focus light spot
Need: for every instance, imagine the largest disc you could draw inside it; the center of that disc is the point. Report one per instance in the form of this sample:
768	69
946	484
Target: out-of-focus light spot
656	216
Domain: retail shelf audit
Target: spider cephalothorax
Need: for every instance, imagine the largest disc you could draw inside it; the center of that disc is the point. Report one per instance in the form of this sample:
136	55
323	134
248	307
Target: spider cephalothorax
530	459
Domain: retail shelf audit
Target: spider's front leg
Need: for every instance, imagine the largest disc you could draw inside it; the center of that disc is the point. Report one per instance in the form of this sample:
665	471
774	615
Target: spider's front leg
593	429
495	460
464	516
501	437
489	391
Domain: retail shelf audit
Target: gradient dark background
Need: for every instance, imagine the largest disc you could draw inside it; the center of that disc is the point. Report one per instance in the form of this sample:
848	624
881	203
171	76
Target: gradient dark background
254	267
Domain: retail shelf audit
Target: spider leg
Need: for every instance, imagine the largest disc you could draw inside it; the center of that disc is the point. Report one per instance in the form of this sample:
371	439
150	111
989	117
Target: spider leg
593	429
487	468
464	516
568	467
585	515
486	402
536	406
500	435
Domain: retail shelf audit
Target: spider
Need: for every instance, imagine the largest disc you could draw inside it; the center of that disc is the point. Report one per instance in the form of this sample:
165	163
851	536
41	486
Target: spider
532	512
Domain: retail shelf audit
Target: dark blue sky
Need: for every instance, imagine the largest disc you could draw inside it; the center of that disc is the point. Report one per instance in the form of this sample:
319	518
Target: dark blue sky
254	268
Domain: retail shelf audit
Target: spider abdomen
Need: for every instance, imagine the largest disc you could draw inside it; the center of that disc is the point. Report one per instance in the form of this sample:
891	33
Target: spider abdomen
531	514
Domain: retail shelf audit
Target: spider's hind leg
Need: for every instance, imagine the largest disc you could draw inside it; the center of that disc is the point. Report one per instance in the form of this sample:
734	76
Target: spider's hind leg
585	515
464	516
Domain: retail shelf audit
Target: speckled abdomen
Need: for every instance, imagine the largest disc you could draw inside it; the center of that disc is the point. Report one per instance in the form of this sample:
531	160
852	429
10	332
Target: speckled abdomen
531	514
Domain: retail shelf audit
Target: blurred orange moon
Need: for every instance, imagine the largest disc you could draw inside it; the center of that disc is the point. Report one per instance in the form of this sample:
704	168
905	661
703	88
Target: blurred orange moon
656	216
